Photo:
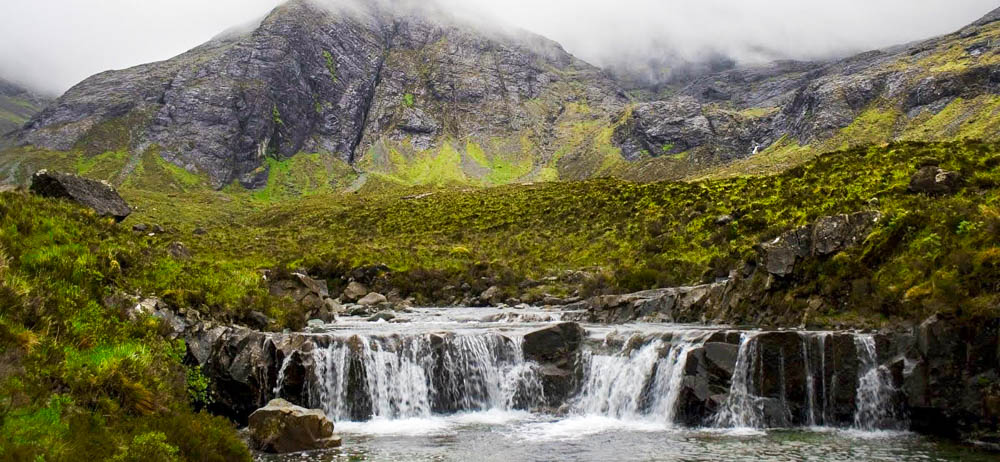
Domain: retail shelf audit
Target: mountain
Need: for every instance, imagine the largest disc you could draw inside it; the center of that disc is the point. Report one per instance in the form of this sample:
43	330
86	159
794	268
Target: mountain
17	105
319	97
370	87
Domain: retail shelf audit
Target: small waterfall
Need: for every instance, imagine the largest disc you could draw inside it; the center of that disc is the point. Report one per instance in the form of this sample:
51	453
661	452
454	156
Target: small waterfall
810	383
637	384
362	377
742	409
876	395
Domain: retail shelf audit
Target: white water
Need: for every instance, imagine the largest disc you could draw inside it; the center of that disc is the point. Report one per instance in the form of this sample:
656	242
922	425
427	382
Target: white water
641	384
405	377
382	378
742	409
875	396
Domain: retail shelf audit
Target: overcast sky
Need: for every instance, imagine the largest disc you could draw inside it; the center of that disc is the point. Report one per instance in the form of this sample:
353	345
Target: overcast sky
53	44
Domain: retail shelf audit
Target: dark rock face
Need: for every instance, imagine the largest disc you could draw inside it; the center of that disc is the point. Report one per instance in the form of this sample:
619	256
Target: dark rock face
933	180
281	427
950	371
97	195
827	236
557	349
337	80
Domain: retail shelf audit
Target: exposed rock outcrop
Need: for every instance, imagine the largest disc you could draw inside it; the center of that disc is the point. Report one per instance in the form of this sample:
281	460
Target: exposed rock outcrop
282	427
312	294
557	350
99	196
934	180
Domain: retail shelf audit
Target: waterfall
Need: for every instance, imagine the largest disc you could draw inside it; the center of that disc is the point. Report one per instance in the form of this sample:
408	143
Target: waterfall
637	384
392	377
810	383
742	409
777	379
876	394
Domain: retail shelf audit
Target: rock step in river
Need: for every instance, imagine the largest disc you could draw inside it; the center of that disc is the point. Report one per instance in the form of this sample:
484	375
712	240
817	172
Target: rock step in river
448	361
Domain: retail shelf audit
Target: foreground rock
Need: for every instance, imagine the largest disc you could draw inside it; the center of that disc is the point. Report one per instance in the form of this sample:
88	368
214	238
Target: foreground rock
97	195
557	349
282	427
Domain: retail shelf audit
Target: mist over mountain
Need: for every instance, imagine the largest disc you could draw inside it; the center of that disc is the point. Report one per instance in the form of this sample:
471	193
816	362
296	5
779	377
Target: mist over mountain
645	40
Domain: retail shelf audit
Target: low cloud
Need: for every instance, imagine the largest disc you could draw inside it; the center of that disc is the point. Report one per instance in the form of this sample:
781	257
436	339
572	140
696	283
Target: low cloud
52	44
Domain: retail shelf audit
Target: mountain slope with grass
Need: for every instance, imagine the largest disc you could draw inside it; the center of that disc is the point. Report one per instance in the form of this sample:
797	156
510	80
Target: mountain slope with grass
83	372
17	106
319	98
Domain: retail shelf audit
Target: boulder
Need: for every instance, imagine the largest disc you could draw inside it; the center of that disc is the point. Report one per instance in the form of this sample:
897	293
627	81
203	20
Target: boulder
781	254
557	350
837	233
382	316
935	180
491	296
98	195
354	291
281	427
178	251
372	299
307	292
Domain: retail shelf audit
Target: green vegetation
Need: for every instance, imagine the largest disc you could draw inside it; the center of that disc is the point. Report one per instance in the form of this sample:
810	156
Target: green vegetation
331	65
408	100
78	376
81	376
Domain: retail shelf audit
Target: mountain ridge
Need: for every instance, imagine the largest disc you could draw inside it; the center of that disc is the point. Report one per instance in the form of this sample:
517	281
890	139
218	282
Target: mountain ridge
415	100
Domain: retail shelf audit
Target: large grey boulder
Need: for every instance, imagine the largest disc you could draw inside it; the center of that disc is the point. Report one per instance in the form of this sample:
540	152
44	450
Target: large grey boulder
782	253
97	195
372	299
837	233
312	294
282	427
354	291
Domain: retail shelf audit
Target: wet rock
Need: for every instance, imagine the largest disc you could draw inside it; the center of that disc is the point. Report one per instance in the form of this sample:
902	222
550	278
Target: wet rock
140	227
934	180
372	299
281	427
557	349
382	316
99	196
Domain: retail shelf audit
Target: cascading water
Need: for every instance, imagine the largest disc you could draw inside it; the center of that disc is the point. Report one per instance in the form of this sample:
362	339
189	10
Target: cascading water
642	383
742	409
392	377
756	380
876	394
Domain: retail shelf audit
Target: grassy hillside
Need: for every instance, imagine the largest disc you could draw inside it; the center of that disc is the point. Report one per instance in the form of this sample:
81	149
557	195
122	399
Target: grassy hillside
80	376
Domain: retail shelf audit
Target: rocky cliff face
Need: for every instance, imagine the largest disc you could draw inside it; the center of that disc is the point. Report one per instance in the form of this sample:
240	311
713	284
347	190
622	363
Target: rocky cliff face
420	98
740	112
344	81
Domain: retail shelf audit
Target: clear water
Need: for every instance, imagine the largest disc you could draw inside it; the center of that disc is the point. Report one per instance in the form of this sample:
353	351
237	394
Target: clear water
508	437
606	421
